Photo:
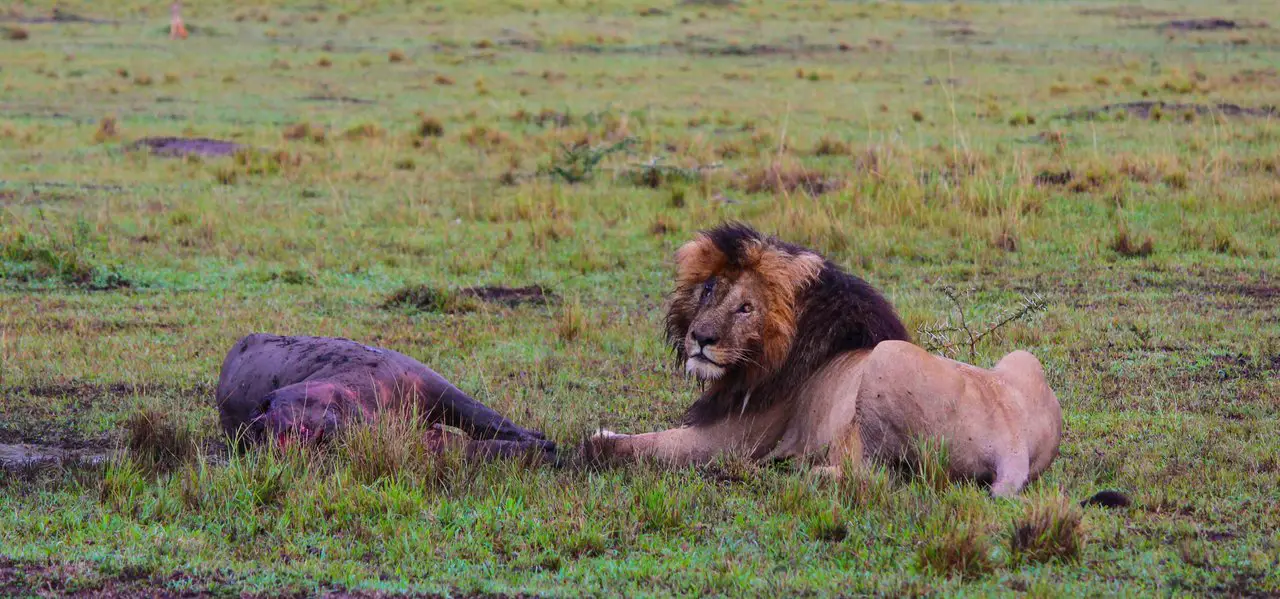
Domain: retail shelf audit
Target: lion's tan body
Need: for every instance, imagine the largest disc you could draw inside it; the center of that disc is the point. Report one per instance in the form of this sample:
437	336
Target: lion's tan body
875	403
1001	425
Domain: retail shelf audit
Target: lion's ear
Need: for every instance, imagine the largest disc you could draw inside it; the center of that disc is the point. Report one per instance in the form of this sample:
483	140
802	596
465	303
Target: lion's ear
697	260
805	267
785	269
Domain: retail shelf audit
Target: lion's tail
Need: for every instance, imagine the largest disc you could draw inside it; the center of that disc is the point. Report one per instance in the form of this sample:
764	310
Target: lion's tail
1107	499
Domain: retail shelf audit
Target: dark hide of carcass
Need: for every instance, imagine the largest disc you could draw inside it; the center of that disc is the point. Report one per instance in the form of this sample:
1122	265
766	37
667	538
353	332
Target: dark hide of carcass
311	387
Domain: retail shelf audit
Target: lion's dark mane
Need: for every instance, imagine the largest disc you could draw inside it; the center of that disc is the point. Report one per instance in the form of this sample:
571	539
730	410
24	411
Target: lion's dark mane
836	313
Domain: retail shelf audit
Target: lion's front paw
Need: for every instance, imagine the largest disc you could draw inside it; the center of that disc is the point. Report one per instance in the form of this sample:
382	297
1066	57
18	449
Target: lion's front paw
601	445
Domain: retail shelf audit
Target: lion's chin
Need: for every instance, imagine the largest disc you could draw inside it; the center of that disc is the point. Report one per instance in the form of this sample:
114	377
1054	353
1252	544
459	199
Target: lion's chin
703	369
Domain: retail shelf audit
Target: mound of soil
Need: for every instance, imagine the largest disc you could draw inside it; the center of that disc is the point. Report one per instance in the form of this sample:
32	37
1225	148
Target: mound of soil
174	147
1145	109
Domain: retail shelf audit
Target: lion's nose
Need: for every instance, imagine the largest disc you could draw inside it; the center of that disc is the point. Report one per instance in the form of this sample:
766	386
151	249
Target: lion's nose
704	339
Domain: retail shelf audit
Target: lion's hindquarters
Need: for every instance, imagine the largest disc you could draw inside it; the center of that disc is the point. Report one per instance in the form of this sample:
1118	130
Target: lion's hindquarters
1040	409
990	433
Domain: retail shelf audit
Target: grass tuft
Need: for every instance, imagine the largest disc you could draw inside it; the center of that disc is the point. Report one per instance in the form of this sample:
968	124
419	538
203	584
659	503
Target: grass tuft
572	320
107	130
156	442
776	179
962	550
662	508
424	298
29	258
1050	530
430	127
830	146
304	132
1127	246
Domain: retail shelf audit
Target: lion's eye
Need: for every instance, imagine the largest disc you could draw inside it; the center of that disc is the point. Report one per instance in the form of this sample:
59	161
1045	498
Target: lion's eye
745	308
707	288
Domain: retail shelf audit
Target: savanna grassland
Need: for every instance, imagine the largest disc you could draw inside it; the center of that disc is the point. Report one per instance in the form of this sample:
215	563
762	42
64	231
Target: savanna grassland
395	153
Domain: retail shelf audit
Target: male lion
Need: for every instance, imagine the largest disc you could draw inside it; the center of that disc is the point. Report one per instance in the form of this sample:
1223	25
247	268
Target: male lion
803	360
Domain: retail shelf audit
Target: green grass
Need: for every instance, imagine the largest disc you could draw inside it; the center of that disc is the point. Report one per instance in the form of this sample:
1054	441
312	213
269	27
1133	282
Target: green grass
919	144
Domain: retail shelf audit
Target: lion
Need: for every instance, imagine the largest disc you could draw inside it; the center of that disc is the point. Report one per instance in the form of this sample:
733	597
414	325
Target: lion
801	360
309	388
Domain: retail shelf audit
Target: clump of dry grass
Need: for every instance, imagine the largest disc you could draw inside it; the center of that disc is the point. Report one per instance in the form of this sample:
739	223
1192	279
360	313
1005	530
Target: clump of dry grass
429	126
304	131
480	136
830	146
16	34
1005	240
324	62
395	56
1050	530
424	298
1022	119
256	163
363	131
571	321
1126	245
776	178
963	551
107	130
155	441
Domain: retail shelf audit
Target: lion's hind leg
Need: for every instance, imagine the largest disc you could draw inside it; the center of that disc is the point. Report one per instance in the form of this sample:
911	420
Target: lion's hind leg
1011	476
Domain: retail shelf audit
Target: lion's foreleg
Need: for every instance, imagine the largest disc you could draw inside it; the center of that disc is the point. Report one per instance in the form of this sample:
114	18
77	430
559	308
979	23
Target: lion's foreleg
844	455
677	446
681	446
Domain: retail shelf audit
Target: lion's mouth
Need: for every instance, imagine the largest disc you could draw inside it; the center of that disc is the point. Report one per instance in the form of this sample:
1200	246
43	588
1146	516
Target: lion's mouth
703	358
705	368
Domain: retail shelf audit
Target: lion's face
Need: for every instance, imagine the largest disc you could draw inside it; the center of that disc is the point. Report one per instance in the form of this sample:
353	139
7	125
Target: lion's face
733	310
727	327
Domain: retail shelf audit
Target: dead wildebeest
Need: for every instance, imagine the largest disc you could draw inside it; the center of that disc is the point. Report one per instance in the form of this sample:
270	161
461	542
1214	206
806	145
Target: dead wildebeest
310	387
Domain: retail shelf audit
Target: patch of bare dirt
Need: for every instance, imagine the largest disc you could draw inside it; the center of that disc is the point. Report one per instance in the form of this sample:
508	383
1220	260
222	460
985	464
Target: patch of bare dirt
698	46
1126	12
36	197
1213	283
336	99
26	456
1212	24
1146	109
174	147
27	578
25	418
58	16
425	298
510	296
97	391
